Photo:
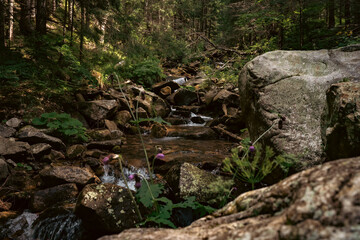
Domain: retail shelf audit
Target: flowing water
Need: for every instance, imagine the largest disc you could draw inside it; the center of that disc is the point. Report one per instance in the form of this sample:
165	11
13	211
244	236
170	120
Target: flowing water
60	226
50	225
109	176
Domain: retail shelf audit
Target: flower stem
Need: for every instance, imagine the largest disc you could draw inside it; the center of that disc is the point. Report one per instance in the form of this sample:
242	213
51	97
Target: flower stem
247	150
135	118
128	189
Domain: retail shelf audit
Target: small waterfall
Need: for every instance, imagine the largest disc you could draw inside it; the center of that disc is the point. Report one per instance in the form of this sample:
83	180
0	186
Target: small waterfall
57	225
109	177
205	118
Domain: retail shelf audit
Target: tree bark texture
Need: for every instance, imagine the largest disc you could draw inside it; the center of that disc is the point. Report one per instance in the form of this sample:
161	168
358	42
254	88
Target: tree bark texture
2	24
26	27
41	16
331	14
11	20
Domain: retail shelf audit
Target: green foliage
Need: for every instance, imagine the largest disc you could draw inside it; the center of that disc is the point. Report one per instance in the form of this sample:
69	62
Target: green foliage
145	72
148	195
12	71
169	48
24	166
225	73
63	124
252	168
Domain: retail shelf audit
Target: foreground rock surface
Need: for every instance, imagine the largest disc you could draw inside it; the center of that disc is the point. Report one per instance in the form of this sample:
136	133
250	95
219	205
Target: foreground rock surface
318	203
293	84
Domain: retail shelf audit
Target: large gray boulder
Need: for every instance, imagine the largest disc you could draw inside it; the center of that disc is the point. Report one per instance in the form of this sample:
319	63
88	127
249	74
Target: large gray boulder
106	207
341	121
293	84
318	203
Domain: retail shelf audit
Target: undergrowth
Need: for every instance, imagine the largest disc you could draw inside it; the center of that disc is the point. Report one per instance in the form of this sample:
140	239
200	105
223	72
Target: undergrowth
63	124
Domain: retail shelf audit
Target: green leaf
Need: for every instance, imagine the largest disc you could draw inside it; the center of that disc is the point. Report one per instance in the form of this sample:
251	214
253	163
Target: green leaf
39	121
144	194
70	132
53	125
63	115
159	220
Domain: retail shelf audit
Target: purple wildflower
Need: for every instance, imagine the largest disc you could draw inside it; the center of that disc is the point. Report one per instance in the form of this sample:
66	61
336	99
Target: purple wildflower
132	177
160	156
252	148
106	160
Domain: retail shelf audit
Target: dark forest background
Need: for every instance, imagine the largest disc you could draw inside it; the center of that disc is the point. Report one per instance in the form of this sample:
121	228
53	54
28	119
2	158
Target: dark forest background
52	47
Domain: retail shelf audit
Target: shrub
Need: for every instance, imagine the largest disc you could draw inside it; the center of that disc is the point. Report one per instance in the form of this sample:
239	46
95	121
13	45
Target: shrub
145	71
62	124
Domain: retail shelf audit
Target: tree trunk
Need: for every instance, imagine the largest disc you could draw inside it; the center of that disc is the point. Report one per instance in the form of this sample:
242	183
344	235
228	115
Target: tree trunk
54	6
69	12
82	27
72	21
355	7
25	17
11	21
301	23
32	7
103	28
331	14
41	16
65	17
281	36
347	12
2	24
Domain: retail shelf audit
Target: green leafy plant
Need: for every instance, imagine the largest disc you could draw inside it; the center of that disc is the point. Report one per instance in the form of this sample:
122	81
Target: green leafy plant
251	169
256	163
148	194
145	72
25	166
63	124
